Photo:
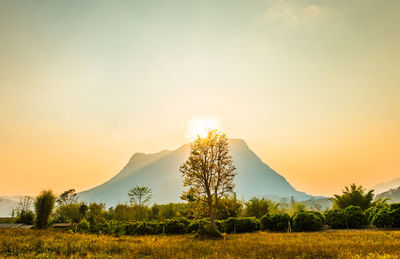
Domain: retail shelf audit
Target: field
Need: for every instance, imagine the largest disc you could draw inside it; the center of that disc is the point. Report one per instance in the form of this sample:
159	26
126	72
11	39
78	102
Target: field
16	243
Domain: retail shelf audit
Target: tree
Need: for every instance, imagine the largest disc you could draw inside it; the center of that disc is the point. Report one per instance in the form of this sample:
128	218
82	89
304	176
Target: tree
140	195
67	197
44	204
209	170
257	207
23	211
353	195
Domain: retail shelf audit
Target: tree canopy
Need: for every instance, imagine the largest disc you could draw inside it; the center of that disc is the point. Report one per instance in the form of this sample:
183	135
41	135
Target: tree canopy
140	195
353	195
209	170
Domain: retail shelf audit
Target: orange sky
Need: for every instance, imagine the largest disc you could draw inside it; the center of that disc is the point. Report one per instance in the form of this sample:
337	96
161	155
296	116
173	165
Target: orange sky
312	87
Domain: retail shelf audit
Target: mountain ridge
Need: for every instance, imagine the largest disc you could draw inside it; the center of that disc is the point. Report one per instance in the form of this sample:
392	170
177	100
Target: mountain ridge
160	172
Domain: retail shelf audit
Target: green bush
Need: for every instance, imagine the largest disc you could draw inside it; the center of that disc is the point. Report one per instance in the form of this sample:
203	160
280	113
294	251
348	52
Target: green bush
394	206
100	228
25	217
139	228
336	218
320	215
370	213
176	226
383	219
44	205
355	217
275	221
83	226
395	213
306	221
241	225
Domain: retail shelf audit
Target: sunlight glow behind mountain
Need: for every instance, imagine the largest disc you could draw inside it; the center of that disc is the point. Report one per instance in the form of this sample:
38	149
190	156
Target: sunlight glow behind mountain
200	126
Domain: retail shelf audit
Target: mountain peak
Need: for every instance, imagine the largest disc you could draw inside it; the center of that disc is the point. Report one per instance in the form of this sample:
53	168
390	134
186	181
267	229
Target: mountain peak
160	172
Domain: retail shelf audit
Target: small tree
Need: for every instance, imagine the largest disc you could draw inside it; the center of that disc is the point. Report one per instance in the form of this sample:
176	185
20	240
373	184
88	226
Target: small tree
140	195
44	205
209	170
353	195
67	197
257	207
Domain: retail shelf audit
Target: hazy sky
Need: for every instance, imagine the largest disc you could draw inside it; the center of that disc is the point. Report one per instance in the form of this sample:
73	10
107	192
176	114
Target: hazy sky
313	87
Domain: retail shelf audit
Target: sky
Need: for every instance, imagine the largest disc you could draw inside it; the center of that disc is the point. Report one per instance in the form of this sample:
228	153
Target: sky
313	87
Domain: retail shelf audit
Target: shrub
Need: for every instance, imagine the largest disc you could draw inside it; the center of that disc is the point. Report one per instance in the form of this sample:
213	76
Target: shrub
320	215
306	221
336	218
139	228
70	212
83	226
176	226
241	225
370	213
395	213
355	217
25	217
394	206
275	222
383	219
44	205
100	227
257	207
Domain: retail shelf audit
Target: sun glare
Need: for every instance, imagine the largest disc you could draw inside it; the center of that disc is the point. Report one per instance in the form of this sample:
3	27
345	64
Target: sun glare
200	126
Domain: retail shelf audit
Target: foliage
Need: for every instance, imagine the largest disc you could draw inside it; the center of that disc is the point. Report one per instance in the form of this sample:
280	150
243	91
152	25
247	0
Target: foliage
23	212
143	228
83	226
176	226
25	217
383	218
228	207
395	213
69	212
336	218
257	207
96	213
67	198
350	217
370	213
242	225
355	217
209	170
306	221
140	195
44	204
276	221
353	195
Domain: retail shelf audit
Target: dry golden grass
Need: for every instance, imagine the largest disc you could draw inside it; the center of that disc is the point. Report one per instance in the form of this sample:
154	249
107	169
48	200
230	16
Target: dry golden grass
336	244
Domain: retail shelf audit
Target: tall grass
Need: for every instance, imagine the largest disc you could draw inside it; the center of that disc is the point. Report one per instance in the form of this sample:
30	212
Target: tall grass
336	244
44	204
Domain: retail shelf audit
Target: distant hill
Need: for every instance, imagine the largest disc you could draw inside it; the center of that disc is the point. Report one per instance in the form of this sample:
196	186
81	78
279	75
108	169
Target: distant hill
160	172
6	205
383	187
393	195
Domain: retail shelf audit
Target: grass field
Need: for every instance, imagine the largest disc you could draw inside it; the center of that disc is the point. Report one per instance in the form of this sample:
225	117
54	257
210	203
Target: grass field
15	243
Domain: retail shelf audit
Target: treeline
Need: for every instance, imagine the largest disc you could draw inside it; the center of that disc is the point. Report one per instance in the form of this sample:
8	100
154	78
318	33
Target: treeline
354	208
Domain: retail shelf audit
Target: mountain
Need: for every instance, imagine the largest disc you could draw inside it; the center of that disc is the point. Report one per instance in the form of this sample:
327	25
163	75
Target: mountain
160	172
6	205
383	187
393	195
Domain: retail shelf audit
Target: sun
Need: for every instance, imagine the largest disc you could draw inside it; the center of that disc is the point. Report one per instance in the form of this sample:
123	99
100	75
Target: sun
200	127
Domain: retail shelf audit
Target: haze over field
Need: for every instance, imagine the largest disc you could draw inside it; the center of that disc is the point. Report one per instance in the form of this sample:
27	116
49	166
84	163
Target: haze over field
313	87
